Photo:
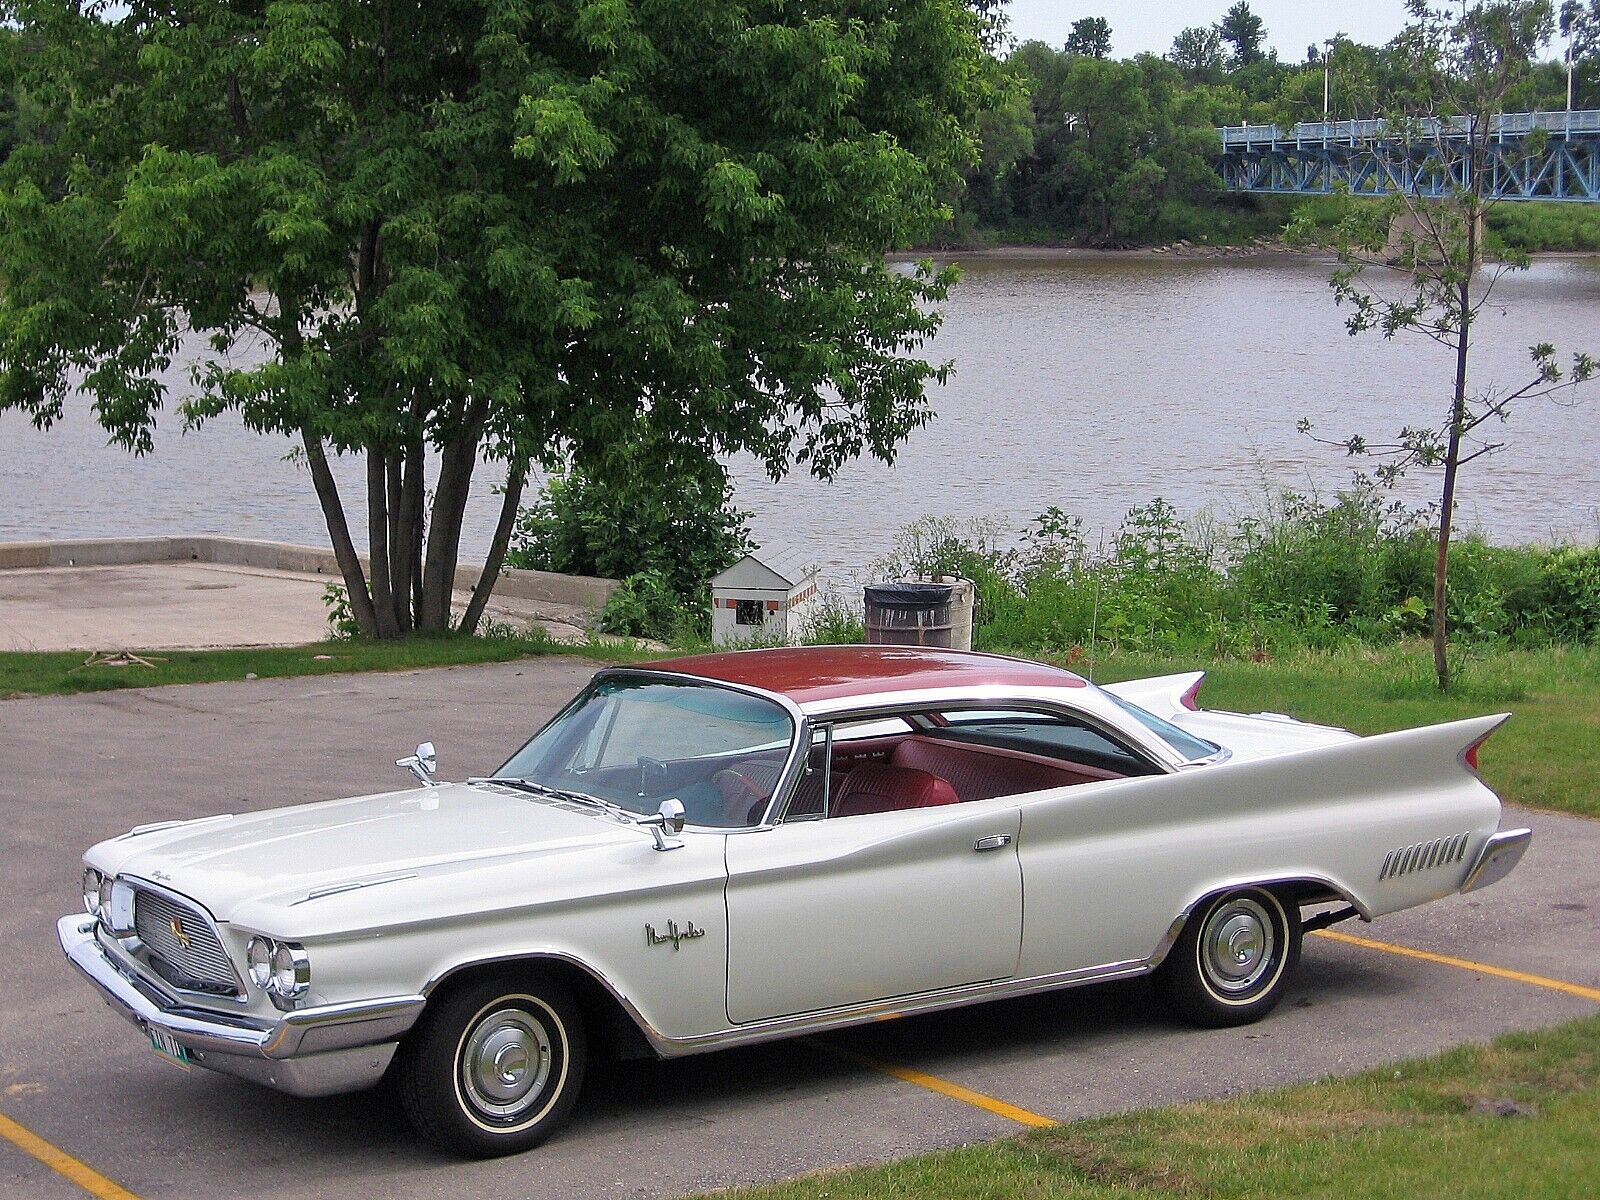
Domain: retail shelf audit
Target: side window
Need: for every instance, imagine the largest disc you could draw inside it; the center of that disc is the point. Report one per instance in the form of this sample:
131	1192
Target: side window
1043	733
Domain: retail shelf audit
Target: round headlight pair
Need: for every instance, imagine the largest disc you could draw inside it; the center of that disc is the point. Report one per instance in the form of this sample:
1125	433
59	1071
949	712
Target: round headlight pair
281	969
93	881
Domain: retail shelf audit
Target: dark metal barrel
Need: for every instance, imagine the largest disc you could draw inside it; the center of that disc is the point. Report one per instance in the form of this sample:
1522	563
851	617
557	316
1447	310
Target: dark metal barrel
910	614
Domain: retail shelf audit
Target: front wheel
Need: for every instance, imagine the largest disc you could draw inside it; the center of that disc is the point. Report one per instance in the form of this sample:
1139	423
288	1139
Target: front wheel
494	1067
1232	962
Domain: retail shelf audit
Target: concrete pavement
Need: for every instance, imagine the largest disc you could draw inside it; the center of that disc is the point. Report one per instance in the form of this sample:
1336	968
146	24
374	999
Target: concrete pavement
199	605
73	770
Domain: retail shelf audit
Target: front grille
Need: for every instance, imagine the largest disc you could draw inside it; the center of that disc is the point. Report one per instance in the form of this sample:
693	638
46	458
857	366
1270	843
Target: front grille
202	964
1424	855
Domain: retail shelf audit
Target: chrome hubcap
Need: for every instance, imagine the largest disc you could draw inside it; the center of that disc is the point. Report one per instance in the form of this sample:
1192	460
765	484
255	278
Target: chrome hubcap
1237	945
506	1063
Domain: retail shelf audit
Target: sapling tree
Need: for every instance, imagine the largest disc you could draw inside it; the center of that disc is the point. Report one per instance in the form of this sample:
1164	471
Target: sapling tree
1415	266
513	231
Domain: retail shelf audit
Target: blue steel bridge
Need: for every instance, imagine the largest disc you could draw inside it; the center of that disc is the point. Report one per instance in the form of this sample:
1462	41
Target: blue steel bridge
1317	158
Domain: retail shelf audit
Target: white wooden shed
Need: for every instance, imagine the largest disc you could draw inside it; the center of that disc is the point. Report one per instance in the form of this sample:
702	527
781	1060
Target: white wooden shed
764	596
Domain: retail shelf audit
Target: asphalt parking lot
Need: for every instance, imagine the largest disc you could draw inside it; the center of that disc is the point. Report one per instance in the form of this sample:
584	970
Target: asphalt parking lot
88	1095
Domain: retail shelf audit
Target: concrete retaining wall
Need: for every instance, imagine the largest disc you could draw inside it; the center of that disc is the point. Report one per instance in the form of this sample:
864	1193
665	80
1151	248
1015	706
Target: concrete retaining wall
582	591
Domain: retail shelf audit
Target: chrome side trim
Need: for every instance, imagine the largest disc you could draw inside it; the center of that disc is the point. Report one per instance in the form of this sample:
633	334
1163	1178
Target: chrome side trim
1499	856
315	1030
901	1006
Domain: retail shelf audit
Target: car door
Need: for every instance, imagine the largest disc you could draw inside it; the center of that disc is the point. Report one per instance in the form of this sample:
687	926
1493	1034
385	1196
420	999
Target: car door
840	911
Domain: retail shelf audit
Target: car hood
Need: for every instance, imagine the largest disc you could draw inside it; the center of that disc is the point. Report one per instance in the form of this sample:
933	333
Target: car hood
283	855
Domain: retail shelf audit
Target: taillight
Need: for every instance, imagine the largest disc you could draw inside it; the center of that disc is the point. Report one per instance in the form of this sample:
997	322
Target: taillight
1188	699
1471	755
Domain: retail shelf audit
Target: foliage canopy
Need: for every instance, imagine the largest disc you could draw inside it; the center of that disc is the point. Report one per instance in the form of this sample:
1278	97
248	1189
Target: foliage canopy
517	229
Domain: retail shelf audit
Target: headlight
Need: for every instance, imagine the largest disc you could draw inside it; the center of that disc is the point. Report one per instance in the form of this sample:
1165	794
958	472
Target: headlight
106	886
281	969
91	890
291	971
259	954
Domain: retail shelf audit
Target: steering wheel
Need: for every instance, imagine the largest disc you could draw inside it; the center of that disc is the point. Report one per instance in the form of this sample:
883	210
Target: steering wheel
742	795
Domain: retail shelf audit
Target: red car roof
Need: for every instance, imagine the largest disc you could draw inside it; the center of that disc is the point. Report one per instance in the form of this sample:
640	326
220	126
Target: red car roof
811	673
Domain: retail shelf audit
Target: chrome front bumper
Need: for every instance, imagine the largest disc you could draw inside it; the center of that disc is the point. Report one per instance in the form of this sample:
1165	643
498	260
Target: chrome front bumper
317	1051
1500	854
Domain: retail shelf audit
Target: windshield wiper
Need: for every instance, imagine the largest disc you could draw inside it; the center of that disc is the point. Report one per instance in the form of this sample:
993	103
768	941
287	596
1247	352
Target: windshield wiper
543	789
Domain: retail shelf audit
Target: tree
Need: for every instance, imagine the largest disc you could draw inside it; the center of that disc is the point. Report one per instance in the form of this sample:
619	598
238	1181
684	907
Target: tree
523	230
1117	140
1244	31
1197	52
1091	36
1425	275
1580	25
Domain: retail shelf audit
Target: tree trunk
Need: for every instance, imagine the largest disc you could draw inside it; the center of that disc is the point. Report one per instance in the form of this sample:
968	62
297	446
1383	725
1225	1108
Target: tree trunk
344	551
1452	459
444	521
516	477
378	543
399	555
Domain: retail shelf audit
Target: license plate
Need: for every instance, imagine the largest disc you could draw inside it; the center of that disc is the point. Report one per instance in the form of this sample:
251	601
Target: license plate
164	1044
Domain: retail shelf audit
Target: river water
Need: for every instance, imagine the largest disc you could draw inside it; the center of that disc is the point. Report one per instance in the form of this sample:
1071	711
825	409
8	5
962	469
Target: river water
1089	383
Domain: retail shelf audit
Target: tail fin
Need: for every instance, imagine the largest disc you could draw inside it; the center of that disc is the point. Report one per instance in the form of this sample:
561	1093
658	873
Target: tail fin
1164	695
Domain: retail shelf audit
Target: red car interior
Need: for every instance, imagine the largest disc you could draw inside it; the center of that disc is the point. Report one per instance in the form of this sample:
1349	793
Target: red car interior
888	774
873	789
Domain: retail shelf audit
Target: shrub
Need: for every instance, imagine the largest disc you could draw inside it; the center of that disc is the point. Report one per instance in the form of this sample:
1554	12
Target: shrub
674	523
1301	573
643	606
1570	588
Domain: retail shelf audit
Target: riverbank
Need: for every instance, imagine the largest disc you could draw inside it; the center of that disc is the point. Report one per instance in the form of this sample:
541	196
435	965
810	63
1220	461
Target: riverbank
1254	225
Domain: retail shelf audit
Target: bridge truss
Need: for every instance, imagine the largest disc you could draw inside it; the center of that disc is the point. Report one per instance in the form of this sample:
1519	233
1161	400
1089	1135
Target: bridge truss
1368	158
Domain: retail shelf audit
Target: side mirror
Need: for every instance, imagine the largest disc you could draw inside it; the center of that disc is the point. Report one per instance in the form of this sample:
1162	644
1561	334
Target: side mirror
422	764
667	821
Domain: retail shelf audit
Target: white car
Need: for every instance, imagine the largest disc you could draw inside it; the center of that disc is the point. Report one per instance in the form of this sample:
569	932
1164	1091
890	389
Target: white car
715	851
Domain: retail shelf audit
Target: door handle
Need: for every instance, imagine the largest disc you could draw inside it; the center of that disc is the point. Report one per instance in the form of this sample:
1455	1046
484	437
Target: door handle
995	841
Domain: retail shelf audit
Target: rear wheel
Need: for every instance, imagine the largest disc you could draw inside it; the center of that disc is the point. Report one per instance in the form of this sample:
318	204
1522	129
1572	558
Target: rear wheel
495	1066
1232	962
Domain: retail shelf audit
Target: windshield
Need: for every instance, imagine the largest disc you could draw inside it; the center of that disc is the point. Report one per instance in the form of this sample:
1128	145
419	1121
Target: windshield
635	740
1185	745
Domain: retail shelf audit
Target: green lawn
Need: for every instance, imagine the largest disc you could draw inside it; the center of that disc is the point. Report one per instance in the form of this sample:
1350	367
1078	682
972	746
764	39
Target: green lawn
1407	1132
42	674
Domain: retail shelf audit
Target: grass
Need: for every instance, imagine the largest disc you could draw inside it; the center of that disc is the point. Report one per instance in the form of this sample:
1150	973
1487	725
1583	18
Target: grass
66	673
1398	1132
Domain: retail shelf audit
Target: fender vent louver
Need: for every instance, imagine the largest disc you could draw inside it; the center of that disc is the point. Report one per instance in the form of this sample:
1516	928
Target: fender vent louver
1424	855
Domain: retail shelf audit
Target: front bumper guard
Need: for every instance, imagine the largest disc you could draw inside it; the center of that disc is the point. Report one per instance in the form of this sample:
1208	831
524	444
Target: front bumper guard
320	1050
1499	856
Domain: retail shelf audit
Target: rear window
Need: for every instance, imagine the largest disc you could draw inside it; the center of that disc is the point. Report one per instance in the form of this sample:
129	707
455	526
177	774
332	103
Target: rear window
1185	745
1042	733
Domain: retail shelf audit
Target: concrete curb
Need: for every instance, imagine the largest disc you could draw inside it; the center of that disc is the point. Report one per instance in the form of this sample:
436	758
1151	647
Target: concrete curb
579	591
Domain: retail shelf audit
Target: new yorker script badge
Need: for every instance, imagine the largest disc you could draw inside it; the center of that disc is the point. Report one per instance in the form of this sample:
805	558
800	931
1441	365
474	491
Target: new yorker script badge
673	934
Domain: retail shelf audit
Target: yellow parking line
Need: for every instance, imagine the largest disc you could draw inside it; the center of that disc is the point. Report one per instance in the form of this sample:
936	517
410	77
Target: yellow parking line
1555	985
61	1162
944	1087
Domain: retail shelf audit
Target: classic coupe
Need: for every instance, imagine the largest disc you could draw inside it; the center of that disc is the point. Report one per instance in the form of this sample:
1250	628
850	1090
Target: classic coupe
719	850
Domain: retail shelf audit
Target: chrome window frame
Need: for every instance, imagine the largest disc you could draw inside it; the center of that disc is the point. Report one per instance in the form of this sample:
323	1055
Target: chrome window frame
966	699
799	740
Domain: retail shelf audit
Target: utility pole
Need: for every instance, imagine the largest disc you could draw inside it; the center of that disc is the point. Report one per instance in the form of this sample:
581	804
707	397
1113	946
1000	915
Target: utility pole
1325	86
